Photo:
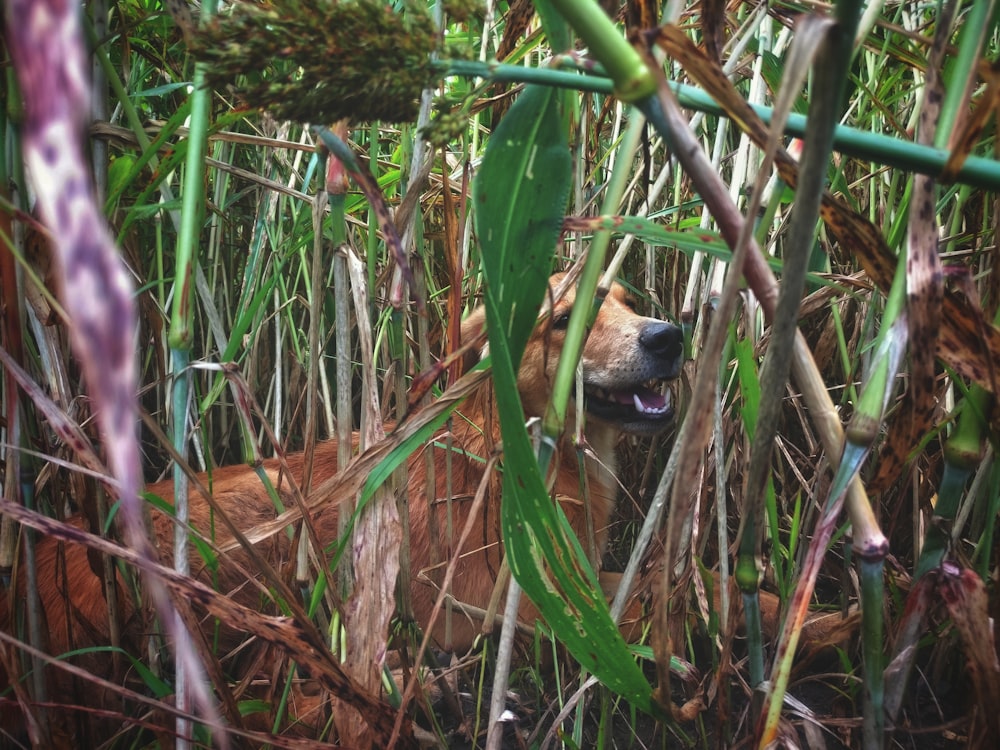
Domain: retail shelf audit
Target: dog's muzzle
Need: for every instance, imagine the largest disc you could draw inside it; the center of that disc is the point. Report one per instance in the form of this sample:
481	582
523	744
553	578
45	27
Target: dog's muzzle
634	402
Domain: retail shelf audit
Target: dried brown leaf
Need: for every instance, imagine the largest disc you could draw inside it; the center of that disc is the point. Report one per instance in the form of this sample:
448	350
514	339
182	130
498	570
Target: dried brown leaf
924	292
965	140
515	25
374	544
645	14
964	594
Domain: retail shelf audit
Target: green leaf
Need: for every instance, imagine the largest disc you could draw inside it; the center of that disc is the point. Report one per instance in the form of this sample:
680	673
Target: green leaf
554	26
521	194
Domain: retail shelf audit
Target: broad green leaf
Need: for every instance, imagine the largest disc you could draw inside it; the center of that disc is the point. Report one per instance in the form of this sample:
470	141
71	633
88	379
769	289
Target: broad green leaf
520	194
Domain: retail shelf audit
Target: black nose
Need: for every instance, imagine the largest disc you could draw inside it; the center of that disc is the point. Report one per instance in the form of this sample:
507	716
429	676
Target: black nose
663	339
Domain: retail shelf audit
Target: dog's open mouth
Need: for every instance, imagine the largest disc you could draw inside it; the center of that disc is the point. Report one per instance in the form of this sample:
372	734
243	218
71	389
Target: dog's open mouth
636	409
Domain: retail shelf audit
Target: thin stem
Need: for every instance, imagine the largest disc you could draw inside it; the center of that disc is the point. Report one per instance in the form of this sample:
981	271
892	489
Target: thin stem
583	315
181	333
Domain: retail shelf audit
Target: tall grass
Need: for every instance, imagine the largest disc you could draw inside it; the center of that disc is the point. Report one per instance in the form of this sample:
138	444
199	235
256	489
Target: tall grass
672	171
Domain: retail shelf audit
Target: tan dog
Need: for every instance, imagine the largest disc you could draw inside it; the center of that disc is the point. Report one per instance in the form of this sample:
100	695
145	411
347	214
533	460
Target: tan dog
625	353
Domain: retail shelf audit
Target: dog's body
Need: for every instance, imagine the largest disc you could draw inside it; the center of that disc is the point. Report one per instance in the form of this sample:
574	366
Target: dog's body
623	353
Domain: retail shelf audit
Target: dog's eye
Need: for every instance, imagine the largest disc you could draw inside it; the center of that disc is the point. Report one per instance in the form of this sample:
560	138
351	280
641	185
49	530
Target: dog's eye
560	321
632	304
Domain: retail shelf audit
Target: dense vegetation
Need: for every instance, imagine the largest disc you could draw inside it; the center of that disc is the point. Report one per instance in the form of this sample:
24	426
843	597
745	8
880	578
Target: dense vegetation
300	192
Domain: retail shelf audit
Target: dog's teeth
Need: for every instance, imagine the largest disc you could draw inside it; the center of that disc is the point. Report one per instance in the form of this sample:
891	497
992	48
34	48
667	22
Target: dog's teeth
643	409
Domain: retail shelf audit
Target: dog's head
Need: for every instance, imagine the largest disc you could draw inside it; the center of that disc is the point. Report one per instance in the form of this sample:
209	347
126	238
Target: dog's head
626	356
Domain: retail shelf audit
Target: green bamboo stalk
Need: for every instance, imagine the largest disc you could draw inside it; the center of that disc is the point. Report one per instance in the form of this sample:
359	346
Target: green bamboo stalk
747	572
977	171
830	79
860	435
180	336
633	79
582	316
873	654
983	554
963	451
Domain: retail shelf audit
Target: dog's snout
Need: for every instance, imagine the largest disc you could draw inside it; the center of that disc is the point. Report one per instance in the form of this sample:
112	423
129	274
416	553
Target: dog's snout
662	339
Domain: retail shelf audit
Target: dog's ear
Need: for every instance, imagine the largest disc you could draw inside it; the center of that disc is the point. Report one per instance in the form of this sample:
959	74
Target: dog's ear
472	326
